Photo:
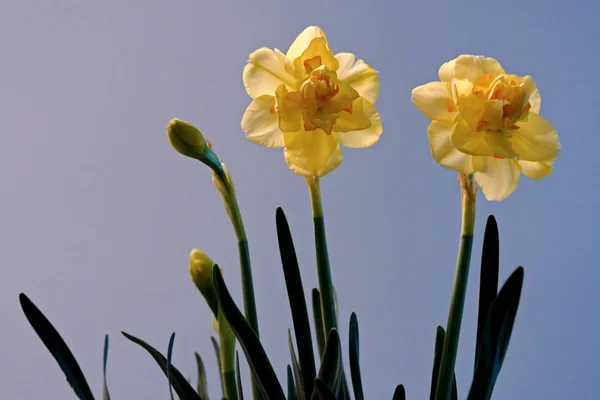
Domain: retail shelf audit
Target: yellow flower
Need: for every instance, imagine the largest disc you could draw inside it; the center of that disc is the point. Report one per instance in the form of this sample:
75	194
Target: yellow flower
310	101
487	122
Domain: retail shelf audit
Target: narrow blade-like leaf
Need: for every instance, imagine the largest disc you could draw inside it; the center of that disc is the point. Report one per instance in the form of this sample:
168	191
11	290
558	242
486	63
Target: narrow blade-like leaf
291	385
295	291
105	393
255	353
322	391
440	334
318	318
354	359
169	355
202	385
331	366
454	388
488	281
298	378
497	337
182	387
218	353
57	347
238	377
399	393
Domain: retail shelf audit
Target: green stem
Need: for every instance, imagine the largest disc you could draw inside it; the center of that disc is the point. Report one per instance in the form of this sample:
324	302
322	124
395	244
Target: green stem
230	385
227	189
325	285
445	377
227	357
247	284
225	186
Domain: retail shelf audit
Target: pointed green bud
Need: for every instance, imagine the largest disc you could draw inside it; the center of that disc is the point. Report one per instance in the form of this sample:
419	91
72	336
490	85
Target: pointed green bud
186	138
201	267
189	141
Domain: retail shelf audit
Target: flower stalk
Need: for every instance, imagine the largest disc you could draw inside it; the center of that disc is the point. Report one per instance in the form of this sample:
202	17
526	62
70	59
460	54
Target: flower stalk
224	184
446	373
227	356
323	269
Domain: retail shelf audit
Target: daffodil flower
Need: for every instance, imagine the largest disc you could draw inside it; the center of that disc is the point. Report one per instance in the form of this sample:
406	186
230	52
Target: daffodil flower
310	101
487	122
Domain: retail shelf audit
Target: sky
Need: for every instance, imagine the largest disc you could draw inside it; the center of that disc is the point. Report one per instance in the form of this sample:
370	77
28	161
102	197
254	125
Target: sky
98	213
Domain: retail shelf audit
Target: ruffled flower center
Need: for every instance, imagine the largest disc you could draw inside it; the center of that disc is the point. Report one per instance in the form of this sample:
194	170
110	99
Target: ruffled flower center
503	103
318	103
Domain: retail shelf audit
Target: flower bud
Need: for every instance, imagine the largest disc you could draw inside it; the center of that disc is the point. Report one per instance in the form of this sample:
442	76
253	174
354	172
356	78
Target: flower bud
201	267
186	139
189	141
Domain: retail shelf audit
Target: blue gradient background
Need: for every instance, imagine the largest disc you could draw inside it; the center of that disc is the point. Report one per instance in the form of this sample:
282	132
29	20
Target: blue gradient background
99	214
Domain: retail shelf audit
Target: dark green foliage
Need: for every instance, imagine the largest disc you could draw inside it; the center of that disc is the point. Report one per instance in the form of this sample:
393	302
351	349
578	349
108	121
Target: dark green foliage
182	387
169	355
255	354
202	385
105	394
57	347
298	308
496	337
354	359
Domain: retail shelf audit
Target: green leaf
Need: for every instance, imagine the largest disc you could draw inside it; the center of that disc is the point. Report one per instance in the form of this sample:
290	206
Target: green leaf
331	366
238	377
169	355
440	334
182	387
202	385
295	291
218	353
255	353
322	391
318	317
354	359
454	393
399	393
300	391
105	394
57	347
290	384
496	338
488	285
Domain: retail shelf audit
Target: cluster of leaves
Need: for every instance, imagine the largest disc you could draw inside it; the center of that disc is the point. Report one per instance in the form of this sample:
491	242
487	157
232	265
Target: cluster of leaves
497	312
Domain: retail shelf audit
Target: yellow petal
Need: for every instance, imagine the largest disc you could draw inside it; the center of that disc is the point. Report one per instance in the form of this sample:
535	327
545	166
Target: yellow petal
317	49
472	68
536	102
444	152
446	71
261	124
309	151
303	40
334	161
536	140
498	178
365	137
361	76
483	143
356	120
536	169
289	112
435	101
342	100
266	70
